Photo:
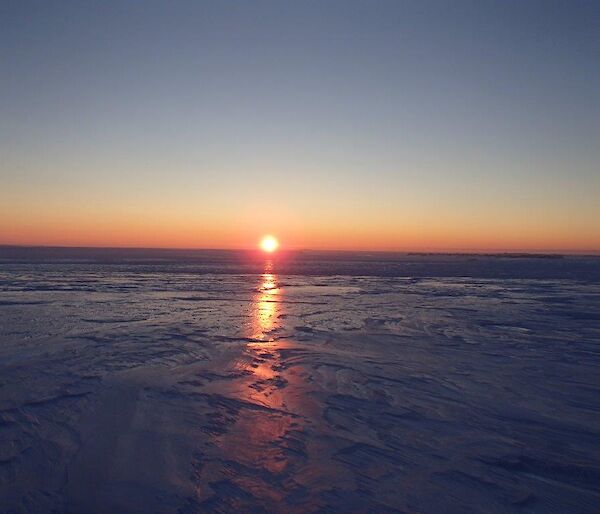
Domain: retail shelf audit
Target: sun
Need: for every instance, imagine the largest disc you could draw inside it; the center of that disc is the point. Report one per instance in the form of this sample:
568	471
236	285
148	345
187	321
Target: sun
269	244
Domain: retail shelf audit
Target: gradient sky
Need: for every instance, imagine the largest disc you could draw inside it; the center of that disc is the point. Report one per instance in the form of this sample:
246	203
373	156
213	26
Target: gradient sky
355	125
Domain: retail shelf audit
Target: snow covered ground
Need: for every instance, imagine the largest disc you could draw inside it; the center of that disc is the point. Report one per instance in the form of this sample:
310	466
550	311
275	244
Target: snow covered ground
425	384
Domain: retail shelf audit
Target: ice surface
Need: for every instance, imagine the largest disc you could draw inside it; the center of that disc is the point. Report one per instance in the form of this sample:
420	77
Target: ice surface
427	384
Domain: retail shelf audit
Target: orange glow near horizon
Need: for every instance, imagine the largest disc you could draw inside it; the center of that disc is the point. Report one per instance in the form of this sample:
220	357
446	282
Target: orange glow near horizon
166	228
177	220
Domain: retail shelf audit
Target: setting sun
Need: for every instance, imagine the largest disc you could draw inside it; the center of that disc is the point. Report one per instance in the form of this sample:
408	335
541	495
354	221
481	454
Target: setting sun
269	244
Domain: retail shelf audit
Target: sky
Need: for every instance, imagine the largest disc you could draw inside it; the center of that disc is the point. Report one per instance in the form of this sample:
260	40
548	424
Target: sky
372	125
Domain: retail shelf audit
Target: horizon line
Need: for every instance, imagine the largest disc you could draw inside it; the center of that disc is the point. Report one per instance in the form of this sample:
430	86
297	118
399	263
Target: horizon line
440	251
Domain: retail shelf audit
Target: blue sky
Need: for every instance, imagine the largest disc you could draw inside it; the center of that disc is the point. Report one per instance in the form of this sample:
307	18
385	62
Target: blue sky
388	125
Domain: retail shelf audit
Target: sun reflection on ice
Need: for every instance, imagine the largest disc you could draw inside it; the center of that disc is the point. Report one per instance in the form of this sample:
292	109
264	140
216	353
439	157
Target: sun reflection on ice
264	349
266	305
269	435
